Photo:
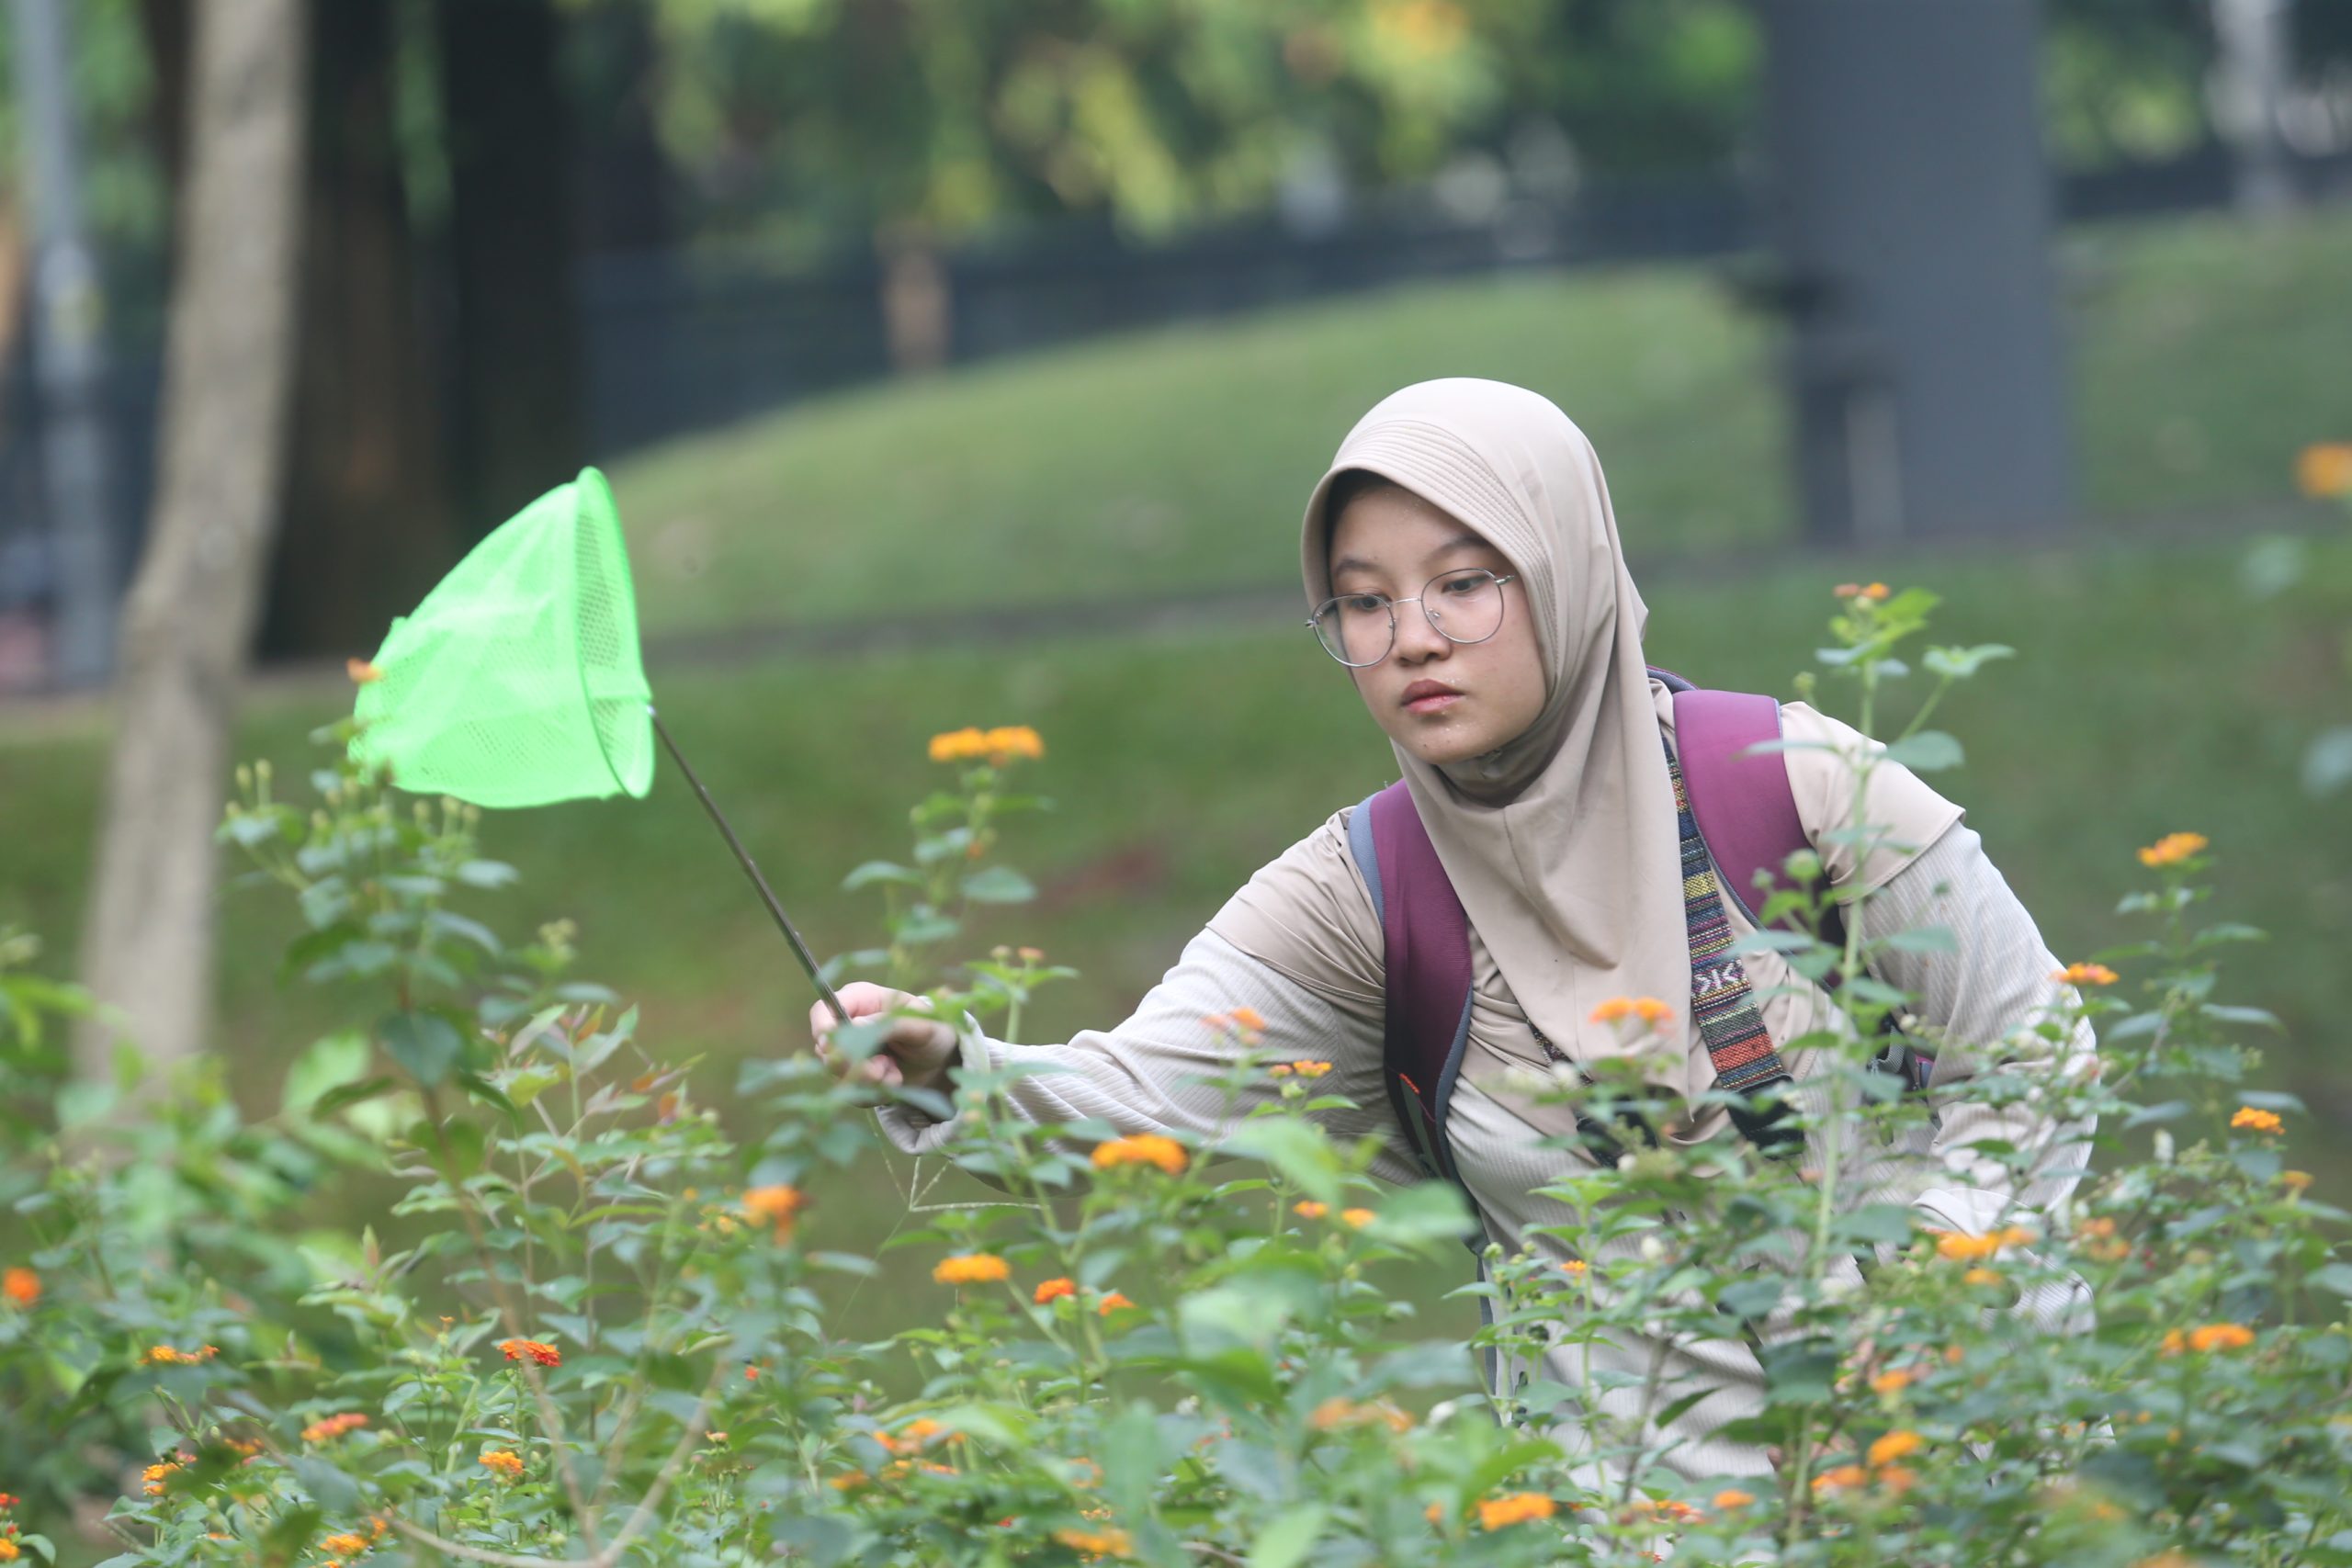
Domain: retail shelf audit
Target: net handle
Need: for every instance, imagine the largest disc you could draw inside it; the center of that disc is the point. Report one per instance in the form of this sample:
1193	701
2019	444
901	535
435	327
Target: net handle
743	858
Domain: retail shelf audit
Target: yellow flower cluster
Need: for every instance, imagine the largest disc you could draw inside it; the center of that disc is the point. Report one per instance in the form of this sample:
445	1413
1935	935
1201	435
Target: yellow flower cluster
1496	1513
1873	592
1096	1543
1649	1010
2324	469
1298	1069
2173	849
2209	1337
970	1268
1246	1022
2086	974
165	1355
503	1462
1308	1208
1356	1219
999	746
332	1427
774	1206
1340	1414
2259	1121
157	1477
1733	1498
1960	1246
1142	1148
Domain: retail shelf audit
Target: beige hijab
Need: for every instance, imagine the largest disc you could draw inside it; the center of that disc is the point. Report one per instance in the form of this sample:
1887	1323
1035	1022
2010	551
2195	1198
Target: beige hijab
1562	843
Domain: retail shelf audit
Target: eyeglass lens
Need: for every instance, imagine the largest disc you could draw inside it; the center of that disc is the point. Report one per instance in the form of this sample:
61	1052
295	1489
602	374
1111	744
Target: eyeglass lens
1360	628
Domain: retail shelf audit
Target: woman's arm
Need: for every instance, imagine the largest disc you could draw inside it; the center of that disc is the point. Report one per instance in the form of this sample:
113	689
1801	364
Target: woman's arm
1151	1074
1978	1007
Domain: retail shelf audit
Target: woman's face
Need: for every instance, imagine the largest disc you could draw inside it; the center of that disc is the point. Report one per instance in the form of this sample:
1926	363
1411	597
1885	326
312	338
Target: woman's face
1442	701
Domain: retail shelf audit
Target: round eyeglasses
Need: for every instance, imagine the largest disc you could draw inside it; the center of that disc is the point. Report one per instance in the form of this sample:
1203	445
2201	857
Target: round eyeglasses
1358	629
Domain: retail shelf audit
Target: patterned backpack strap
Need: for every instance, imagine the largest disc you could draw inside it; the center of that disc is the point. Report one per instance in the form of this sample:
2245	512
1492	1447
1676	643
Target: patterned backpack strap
1746	813
1738	1046
1425	941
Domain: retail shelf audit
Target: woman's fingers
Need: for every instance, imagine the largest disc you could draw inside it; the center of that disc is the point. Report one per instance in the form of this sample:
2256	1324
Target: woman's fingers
925	1042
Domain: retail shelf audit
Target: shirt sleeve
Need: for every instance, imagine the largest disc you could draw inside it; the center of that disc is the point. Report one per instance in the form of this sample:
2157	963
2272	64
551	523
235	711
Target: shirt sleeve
1977	1009
1152	1073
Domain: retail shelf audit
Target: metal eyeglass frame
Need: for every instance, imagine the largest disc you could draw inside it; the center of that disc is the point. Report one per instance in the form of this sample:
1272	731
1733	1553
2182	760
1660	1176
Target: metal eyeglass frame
1427	614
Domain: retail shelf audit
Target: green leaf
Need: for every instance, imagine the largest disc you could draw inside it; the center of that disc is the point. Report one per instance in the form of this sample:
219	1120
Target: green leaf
1930	751
875	871
486	874
336	1492
1286	1541
335	1062
1962	663
424	1044
2335	1278
1300	1152
998	885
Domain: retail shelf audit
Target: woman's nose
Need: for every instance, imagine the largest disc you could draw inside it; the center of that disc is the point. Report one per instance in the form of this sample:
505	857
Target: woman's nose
1417	639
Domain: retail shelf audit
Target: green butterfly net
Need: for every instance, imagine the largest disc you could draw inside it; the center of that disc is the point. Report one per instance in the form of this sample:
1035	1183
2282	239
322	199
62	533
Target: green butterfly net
518	681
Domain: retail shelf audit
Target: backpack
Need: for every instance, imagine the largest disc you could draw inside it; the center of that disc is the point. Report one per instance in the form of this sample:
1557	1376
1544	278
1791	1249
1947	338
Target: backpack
1747	816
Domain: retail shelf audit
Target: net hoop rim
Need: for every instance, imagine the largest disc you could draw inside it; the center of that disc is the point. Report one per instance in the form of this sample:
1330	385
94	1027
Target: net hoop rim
592	484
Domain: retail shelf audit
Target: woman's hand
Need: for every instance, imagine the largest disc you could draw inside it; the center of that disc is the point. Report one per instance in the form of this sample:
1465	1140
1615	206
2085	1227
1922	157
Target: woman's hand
915	1053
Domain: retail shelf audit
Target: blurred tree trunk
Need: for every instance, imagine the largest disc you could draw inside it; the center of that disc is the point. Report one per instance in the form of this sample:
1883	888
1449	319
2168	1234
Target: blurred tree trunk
517	423
367	527
147	944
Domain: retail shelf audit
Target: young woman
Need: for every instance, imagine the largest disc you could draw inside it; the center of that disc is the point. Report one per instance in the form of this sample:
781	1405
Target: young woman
1465	567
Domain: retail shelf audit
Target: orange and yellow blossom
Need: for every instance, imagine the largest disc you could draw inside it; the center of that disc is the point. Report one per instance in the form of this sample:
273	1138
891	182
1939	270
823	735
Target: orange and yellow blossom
1142	1148
1733	1498
332	1427
504	1462
1054	1290
2173	849
538	1350
2220	1337
2086	974
1112	1302
774	1206
348	1543
8	1551
971	1269
1299	1070
2261	1120
1894	1445
1096	1543
158	1476
1892	1380
165	1355
1649	1010
1495	1513
20	1285
1308	1208
1358	1218
2294	1181
1840	1479
1575	1267
2324	469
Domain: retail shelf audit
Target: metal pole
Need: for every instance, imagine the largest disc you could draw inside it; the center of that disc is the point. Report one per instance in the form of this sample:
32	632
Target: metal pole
743	858
69	350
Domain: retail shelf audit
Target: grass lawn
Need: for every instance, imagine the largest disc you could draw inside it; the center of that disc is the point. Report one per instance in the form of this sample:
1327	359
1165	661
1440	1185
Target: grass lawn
2153	692
2206	355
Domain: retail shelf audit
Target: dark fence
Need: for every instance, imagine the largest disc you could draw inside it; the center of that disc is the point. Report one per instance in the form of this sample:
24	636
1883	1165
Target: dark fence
677	344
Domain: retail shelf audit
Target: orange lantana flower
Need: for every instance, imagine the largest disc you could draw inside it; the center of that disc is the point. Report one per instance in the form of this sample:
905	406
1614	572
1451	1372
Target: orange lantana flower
538	1350
2261	1120
1142	1148
774	1206
2324	469
971	1269
20	1285
2173	849
1649	1010
504	1462
1494	1513
1055	1289
2086	974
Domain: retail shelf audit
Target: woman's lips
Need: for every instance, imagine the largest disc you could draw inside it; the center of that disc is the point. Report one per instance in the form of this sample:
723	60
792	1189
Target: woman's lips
1427	697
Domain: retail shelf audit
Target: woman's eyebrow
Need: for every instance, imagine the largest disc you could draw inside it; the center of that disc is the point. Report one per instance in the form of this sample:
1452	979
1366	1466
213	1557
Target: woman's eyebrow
1458	543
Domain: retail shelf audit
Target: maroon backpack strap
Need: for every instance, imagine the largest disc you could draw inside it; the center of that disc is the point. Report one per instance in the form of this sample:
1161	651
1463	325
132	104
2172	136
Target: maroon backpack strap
1425	941
1746	811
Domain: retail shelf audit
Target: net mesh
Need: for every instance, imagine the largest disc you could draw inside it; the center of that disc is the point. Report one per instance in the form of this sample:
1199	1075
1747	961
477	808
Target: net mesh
518	681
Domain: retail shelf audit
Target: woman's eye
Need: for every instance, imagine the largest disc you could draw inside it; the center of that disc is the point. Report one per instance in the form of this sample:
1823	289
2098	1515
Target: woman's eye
1364	604
1467	584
